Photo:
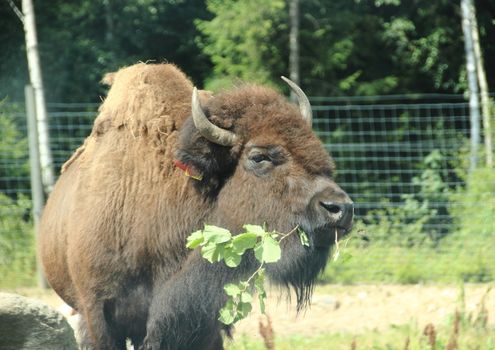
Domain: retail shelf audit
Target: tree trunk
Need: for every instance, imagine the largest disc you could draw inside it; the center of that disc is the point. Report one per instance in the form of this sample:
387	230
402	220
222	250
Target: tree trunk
485	100
294	43
472	83
37	195
37	83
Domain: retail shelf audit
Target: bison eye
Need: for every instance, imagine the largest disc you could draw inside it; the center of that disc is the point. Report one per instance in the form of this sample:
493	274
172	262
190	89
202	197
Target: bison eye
260	157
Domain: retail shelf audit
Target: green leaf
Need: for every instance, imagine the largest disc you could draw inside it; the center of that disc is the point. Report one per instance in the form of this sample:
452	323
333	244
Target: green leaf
214	234
259	282
231	258
258	251
260	289
303	237
195	239
213	252
208	251
232	290
246	297
261	298
227	313
244	309
244	241
268	251
219	252
256	229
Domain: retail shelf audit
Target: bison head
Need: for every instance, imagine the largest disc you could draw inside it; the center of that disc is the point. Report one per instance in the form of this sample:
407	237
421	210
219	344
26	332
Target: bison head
258	161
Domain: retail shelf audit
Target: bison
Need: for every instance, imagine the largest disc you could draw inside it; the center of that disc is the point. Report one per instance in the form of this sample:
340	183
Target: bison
162	160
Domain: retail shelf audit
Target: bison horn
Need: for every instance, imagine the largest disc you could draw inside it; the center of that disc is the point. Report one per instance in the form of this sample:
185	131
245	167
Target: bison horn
206	128
304	105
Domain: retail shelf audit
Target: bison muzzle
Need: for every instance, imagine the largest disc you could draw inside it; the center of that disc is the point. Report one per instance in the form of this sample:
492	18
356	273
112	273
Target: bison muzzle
162	160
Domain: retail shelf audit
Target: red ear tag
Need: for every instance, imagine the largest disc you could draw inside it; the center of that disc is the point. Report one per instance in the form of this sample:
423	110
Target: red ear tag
188	170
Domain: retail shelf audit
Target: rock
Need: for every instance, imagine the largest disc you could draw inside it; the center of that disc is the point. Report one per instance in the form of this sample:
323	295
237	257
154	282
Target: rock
27	324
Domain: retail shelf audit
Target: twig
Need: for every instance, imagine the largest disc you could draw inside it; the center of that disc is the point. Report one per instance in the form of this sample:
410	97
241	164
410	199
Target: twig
288	234
337	247
16	10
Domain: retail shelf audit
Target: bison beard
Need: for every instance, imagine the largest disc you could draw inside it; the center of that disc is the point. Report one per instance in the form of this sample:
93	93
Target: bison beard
114	230
186	309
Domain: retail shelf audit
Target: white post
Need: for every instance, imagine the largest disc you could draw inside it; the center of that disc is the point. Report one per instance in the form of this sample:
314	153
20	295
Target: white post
485	100
37	195
474	111
294	44
37	83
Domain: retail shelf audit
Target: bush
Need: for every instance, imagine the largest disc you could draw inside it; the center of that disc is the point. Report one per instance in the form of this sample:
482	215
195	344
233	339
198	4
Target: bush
474	215
17	256
475	210
17	251
403	243
13	145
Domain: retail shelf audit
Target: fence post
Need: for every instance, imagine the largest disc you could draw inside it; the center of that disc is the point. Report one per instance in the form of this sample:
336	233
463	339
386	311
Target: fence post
474	110
45	154
485	100
37	193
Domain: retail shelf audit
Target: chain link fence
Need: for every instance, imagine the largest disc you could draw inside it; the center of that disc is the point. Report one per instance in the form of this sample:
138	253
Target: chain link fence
403	159
382	147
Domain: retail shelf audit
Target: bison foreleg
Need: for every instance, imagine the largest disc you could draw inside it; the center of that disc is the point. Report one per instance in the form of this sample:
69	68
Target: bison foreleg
185	308
95	331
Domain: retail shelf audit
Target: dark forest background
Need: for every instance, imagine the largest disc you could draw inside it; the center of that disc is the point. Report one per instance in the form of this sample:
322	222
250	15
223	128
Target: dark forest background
348	47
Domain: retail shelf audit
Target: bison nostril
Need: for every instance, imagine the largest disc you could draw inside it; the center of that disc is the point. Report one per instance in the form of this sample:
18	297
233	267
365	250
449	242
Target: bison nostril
331	207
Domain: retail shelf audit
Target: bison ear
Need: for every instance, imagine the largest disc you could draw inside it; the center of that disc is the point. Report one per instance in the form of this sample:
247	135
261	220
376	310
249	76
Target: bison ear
202	159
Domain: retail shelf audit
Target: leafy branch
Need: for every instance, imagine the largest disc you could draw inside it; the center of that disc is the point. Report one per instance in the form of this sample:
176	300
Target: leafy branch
218	244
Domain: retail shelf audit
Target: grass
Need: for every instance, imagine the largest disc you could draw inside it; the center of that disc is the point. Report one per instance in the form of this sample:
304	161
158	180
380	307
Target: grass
468	261
453	261
459	332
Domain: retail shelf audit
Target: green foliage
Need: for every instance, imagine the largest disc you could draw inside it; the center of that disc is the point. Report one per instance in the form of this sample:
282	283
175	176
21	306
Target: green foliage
476	206
418	43
426	44
13	147
218	244
80	41
404	243
241	40
17	252
474	215
347	47
413	222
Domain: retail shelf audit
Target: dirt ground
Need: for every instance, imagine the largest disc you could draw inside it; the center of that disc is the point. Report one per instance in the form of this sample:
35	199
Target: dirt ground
355	309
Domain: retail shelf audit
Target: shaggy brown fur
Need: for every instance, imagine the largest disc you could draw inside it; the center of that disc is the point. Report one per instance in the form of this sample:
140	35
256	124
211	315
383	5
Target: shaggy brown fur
114	229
